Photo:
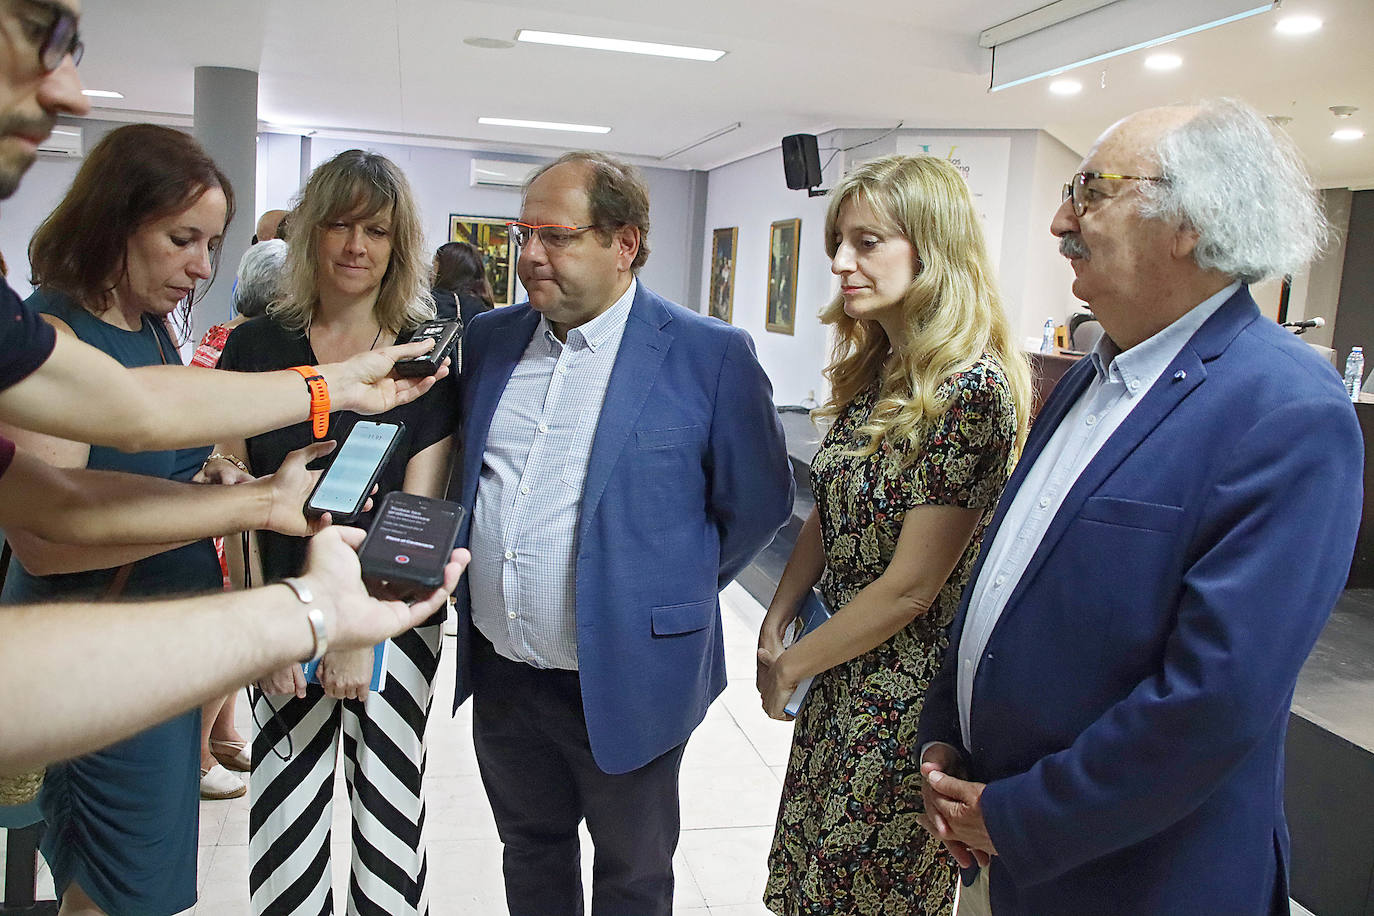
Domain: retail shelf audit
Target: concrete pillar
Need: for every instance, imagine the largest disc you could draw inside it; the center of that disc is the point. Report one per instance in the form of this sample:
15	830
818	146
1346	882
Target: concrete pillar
226	124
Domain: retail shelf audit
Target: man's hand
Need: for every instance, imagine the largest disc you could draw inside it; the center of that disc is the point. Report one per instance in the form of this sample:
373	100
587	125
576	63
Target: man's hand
354	618
953	809
288	680
346	675
366	385
290	487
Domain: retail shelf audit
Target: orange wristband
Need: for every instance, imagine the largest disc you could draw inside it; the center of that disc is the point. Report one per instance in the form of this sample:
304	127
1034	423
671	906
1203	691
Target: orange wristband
319	399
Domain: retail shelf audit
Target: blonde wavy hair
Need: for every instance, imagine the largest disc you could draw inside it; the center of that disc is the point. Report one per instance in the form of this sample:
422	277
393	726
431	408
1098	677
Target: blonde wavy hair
952	309
352	184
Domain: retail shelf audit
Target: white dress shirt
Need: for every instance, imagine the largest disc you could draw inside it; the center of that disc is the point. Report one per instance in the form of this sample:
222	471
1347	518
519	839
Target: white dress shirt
1121	379
523	575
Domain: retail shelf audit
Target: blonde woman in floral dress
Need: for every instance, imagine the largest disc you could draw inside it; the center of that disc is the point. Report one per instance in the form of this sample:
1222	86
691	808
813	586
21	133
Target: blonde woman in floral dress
929	404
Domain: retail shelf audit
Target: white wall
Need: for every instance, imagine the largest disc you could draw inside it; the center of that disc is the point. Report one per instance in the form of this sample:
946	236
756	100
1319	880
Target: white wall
441	181
1035	280
752	194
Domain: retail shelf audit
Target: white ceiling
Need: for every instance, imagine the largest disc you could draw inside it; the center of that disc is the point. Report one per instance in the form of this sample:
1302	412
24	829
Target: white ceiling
398	70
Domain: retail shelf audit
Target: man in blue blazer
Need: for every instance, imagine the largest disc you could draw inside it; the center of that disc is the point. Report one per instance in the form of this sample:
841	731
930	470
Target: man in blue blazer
1108	727
622	461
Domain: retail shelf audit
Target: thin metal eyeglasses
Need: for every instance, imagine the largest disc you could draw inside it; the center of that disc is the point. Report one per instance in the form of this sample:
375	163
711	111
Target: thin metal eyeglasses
55	38
1077	188
552	235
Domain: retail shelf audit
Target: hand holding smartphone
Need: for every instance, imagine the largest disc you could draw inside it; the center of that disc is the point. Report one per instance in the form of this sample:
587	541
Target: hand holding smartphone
411	540
345	486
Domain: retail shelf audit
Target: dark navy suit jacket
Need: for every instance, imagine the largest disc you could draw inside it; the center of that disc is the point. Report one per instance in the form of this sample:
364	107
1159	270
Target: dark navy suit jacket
1130	707
687	481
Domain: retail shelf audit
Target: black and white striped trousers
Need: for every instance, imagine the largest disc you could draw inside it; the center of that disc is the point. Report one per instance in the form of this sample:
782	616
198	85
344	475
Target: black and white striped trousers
384	764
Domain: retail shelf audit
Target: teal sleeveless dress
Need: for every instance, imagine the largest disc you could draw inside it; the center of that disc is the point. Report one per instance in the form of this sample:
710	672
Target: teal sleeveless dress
123	823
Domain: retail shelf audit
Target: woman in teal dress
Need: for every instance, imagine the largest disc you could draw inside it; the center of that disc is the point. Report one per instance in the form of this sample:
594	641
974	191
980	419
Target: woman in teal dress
929	402
118	260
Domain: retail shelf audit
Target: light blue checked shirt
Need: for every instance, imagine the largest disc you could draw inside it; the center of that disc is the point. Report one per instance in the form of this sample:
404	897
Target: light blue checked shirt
1122	379
523	575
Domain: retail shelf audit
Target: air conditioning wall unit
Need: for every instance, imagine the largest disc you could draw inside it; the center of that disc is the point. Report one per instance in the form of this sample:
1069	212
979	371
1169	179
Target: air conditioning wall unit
64	142
488	173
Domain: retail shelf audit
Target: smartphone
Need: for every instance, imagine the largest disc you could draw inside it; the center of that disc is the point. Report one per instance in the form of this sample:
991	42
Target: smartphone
345	486
411	539
443	331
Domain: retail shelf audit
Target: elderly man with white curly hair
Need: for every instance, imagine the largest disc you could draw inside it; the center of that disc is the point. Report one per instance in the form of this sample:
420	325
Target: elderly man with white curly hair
1107	732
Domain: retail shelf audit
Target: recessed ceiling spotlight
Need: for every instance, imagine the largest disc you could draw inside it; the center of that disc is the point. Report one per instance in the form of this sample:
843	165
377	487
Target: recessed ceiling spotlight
1298	25
1066	87
491	44
1163	62
544	125
102	93
597	43
1347	134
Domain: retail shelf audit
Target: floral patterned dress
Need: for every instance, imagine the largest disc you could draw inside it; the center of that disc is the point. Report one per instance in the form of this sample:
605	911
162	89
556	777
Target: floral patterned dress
847	840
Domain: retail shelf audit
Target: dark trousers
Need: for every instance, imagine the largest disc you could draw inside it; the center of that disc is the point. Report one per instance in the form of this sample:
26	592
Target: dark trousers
537	767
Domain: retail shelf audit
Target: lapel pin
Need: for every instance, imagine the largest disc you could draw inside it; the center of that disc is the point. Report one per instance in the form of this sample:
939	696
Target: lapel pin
1180	375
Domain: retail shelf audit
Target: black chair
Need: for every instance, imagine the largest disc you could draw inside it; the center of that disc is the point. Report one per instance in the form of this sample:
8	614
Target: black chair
23	826
1083	332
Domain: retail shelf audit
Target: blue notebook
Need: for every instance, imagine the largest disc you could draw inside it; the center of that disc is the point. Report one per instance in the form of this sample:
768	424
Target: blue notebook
378	668
814	612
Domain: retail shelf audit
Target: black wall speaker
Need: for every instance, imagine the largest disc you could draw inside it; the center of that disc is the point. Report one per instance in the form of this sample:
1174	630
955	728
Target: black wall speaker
801	161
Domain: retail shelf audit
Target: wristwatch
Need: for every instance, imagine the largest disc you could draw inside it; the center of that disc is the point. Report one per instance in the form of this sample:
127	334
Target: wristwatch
315	616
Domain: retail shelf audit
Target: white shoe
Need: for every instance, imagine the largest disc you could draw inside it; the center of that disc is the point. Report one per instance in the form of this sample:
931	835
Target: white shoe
217	783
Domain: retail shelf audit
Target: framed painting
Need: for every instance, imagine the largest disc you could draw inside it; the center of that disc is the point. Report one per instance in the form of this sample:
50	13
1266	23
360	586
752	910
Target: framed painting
492	238
721	285
783	239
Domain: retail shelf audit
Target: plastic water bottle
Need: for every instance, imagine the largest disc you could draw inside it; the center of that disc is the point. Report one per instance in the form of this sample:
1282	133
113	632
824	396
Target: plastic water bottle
1354	372
1047	338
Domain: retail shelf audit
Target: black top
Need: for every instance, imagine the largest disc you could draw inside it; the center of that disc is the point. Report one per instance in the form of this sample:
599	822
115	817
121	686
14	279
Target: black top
26	341
262	345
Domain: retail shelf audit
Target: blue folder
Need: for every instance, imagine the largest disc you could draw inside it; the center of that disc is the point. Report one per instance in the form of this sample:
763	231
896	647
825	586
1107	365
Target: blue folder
814	612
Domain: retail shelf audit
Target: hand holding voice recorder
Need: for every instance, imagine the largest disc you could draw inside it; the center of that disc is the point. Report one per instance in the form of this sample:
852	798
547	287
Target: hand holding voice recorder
443	331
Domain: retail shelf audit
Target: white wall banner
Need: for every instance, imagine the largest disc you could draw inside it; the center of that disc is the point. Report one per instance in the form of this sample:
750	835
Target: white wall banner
984	162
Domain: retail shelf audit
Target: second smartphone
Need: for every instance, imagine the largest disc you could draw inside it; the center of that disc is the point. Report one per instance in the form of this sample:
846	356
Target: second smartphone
345	486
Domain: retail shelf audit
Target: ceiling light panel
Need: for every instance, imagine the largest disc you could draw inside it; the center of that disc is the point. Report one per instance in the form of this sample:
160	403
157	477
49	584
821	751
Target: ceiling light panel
1163	62
1346	134
598	43
1297	25
544	125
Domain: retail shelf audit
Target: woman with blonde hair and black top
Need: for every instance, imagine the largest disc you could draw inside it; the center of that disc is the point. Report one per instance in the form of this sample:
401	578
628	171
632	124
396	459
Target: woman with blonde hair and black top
354	280
929	402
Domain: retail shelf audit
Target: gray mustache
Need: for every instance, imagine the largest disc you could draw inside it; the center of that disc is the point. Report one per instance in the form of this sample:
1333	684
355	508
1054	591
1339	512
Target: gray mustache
1071	246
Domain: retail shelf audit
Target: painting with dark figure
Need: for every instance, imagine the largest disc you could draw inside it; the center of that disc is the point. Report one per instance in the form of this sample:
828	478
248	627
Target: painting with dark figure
722	281
491	235
783	240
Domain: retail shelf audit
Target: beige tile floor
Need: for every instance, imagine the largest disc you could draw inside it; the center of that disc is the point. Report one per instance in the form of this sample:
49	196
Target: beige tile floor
731	779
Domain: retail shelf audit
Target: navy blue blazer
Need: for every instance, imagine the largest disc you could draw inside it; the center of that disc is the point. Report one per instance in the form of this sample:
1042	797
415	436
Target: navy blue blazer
1130	707
687	481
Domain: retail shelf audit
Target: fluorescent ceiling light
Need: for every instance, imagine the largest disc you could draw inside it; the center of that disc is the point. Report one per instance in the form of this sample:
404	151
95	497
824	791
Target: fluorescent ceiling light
1348	133
1163	62
1298	25
1075	33
1066	87
618	44
102	93
544	125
